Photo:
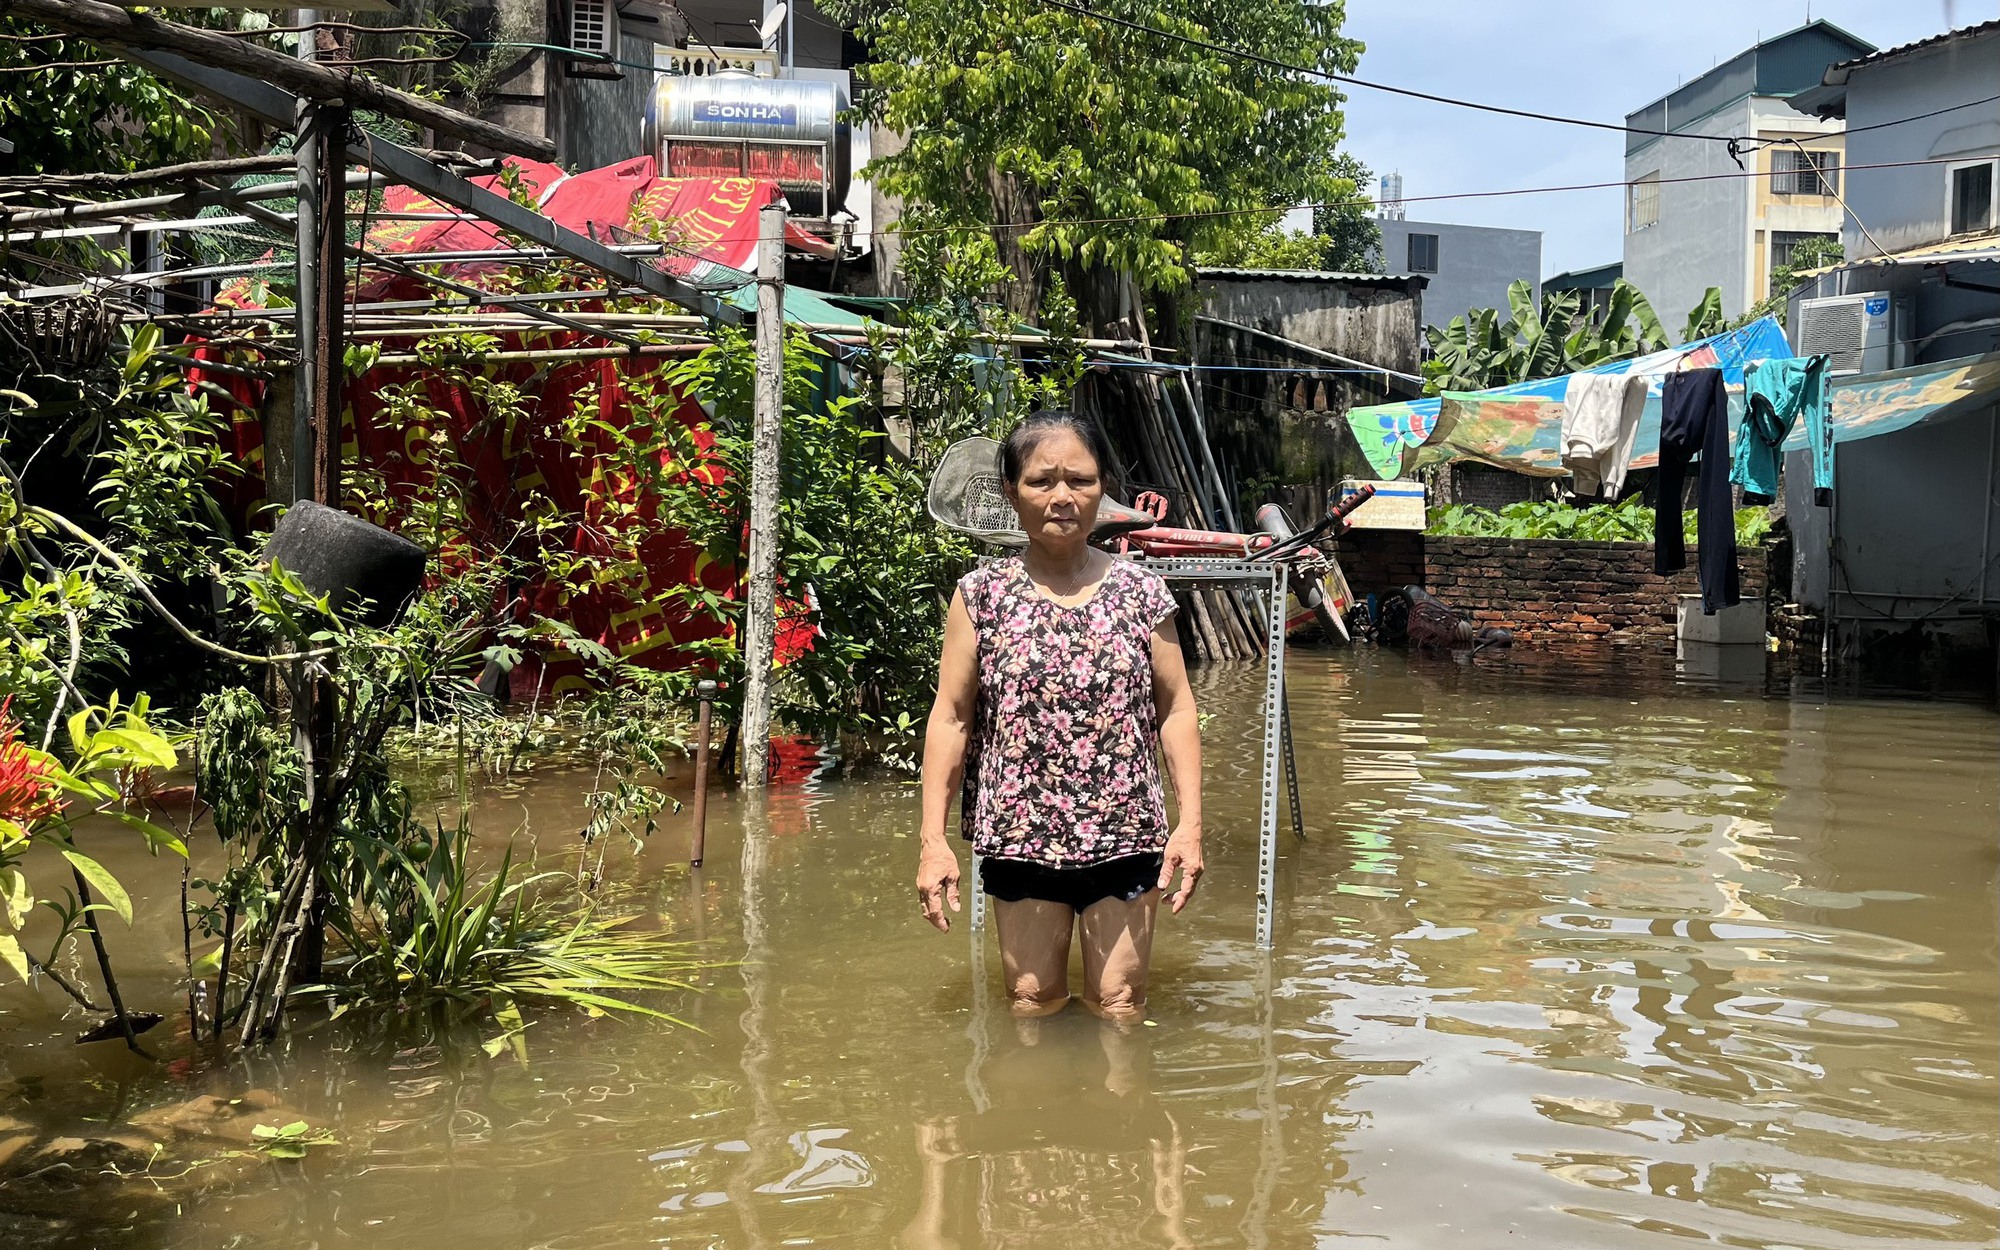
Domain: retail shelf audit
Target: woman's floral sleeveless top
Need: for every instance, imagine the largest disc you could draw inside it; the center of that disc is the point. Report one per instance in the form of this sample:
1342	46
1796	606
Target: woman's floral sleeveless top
1064	764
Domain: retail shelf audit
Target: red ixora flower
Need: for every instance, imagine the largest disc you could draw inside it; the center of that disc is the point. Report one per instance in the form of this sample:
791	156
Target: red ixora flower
26	793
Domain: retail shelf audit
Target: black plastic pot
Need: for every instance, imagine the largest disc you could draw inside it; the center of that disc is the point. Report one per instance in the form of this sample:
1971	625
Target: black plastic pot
369	574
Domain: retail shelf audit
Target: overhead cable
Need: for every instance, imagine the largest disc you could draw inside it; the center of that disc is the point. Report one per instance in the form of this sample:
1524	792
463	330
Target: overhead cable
1351	81
1454	101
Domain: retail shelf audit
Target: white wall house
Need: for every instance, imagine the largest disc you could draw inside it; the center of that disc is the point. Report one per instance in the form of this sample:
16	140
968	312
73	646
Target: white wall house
1691	222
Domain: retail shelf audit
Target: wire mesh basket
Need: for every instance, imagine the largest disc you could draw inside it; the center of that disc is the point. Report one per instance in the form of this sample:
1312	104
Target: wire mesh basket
968	495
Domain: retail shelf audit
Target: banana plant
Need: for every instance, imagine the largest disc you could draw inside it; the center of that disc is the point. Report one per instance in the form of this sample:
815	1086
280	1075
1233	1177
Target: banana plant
1478	351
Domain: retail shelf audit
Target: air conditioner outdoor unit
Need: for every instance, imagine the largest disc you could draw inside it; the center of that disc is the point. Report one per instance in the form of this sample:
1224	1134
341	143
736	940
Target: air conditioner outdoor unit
593	29
1858	333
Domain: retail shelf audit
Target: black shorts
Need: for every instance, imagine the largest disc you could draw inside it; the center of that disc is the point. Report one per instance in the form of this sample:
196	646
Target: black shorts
1124	878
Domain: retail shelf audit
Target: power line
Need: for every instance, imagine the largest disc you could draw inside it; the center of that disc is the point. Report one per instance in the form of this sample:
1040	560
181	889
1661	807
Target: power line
1351	81
1413	93
1371	203
1949	108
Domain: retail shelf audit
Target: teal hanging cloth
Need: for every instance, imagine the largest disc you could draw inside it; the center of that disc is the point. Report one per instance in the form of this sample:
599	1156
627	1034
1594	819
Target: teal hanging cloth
1776	393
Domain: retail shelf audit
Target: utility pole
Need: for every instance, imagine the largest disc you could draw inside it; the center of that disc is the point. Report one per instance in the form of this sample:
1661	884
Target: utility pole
760	629
305	377
319	145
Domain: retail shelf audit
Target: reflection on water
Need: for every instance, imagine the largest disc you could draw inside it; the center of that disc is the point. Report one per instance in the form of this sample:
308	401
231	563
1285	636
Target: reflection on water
1577	957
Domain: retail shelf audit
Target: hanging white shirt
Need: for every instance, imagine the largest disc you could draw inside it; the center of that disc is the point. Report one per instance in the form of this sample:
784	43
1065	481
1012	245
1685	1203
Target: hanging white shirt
1600	424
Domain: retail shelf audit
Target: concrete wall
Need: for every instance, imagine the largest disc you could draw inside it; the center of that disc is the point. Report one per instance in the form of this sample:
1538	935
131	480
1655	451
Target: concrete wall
1702	236
1475	264
1909	207
1917	522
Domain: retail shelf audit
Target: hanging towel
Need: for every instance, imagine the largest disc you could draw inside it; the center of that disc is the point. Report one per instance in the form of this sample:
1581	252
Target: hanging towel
1600	421
1775	394
1694	422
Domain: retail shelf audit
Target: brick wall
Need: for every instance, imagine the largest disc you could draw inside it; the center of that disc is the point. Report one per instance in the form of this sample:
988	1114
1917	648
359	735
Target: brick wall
1555	592
1381	561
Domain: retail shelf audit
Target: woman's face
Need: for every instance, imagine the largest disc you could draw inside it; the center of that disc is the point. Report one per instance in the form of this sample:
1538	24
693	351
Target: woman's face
1059	489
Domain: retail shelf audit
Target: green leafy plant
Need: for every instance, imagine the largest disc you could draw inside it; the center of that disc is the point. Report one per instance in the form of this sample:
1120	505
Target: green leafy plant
1629	522
1344	237
42	796
429	935
1811	253
290	1141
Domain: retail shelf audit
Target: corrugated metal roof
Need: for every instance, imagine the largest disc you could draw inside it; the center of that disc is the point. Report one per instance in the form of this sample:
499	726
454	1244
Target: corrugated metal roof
1902	50
1307	275
1984	245
1829	99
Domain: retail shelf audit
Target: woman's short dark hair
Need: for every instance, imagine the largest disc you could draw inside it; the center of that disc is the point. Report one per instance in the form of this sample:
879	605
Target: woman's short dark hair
1021	442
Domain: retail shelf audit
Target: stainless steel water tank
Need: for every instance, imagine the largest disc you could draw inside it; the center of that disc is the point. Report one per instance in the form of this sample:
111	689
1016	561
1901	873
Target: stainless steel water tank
733	124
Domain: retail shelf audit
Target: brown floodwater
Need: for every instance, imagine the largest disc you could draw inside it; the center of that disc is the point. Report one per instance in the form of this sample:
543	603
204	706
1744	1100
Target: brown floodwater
1570	956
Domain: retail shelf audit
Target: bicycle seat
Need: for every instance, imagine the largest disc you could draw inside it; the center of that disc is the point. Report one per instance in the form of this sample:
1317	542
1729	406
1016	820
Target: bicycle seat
1114	519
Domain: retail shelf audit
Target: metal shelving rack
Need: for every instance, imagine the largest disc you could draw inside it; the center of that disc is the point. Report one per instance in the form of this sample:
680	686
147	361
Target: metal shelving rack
1270	577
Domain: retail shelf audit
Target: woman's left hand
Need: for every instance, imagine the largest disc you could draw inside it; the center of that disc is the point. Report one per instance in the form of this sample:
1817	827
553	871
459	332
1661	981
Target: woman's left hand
1184	853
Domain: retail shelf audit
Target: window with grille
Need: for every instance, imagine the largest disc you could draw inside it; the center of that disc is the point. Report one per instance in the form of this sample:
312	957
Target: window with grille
1423	253
1972	198
593	27
1805	173
1644	208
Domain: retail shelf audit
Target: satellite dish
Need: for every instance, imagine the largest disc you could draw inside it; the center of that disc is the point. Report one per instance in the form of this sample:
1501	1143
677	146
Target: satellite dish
772	25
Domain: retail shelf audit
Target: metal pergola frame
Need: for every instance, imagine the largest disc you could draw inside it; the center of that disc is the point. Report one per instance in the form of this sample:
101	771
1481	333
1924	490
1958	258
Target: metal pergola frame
1275	584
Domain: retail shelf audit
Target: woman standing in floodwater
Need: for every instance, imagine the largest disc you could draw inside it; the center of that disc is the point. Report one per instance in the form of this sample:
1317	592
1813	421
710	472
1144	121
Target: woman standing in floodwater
1060	683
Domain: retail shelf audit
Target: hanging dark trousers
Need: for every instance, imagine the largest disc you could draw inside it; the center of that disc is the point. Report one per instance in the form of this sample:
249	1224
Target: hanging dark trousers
1694	422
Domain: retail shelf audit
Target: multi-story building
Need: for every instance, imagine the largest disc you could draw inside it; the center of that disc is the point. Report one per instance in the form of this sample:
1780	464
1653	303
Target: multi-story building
1692	221
1909	549
1468	266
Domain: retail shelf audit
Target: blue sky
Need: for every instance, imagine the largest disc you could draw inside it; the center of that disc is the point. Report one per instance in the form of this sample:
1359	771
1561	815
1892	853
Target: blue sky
1580	58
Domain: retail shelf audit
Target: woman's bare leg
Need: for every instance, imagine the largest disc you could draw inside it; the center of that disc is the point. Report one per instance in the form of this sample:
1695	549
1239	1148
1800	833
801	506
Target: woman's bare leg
1034	954
1117	950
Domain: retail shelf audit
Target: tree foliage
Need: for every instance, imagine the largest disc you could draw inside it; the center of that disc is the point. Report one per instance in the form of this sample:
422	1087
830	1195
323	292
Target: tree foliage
67	112
1115	149
1809	255
1344	239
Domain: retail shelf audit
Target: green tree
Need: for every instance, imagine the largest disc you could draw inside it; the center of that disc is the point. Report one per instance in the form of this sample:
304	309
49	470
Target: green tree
1110	153
1348	224
1813	253
1344	239
70	107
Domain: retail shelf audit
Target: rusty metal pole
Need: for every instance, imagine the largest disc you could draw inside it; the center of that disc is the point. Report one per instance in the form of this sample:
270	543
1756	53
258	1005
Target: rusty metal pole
706	690
330	137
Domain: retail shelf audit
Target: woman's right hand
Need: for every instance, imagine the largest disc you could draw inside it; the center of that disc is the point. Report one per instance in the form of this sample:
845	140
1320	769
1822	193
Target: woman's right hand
937	883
